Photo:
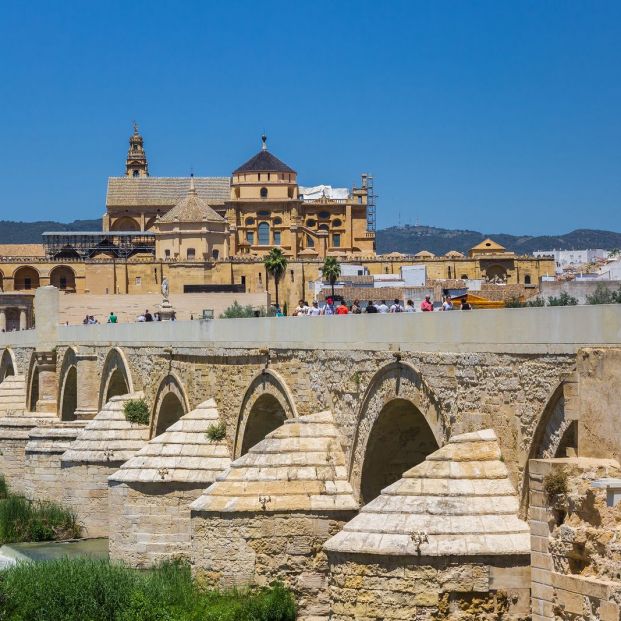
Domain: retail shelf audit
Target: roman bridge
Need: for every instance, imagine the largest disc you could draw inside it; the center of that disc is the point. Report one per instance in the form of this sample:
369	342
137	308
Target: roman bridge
398	386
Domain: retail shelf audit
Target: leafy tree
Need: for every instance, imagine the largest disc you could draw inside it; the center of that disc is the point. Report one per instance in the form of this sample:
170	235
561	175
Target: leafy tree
331	270
603	295
564	299
237	311
275	264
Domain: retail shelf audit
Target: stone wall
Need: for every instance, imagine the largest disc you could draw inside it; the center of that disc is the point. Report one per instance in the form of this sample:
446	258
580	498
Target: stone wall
575	558
85	487
238	549
150	523
363	587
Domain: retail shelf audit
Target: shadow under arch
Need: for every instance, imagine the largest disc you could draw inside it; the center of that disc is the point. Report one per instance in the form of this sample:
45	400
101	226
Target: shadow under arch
266	405
8	364
116	378
398	425
553	435
171	403
32	384
68	385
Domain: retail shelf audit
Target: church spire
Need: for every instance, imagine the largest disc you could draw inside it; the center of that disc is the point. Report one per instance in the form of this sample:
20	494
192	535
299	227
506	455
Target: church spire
136	164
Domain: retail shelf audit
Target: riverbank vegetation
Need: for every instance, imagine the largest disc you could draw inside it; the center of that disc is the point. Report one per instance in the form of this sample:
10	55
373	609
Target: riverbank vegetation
25	520
91	590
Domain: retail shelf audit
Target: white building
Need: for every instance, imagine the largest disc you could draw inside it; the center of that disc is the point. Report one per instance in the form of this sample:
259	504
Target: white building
568	258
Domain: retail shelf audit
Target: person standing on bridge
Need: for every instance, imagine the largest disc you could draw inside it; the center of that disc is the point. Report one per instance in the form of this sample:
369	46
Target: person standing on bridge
426	305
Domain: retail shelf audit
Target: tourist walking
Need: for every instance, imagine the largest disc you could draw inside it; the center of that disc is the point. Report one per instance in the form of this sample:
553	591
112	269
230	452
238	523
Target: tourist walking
382	308
112	318
447	305
465	305
409	307
301	309
426	305
396	307
342	308
329	308
371	308
356	309
314	310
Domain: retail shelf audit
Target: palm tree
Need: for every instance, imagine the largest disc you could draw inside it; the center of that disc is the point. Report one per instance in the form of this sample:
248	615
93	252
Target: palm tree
331	270
275	264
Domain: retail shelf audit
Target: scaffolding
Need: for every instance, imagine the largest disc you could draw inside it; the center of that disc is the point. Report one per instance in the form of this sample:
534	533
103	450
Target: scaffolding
367	182
84	245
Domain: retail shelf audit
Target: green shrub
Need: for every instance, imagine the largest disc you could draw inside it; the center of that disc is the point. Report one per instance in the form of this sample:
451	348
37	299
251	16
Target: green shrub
4	488
564	299
216	432
555	483
603	295
136	411
237	311
85	589
535	302
23	520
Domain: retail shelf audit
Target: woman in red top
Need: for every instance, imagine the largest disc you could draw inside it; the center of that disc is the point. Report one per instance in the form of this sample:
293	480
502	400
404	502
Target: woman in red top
426	305
342	309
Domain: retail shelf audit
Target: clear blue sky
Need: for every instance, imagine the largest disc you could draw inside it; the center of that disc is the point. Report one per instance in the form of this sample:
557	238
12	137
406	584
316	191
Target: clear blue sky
494	116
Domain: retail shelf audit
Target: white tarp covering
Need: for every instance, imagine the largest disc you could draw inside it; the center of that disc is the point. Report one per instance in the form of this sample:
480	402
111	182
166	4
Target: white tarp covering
321	191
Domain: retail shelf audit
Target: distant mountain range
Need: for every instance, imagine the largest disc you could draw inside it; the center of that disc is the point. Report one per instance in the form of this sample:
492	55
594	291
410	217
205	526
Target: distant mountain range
413	239
30	232
405	239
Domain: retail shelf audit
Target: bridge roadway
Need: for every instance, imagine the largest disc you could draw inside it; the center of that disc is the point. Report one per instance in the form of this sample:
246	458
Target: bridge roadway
554	330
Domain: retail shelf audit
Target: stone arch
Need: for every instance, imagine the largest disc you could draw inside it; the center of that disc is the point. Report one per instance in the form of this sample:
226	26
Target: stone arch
63	278
554	433
68	386
171	404
266	405
8	364
125	223
496	271
399	424
26	278
32	394
116	378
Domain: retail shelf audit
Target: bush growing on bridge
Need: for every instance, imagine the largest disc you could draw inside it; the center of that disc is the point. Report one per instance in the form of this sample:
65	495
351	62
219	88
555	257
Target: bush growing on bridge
216	432
136	411
25	520
81	589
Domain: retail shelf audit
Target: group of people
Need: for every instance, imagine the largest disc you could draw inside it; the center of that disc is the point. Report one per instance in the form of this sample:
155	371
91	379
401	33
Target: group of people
303	309
112	318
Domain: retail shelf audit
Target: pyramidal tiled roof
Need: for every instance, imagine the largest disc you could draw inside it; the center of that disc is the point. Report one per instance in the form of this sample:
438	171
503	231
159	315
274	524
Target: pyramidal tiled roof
164	191
264	161
299	466
109	437
458	502
183	453
192	208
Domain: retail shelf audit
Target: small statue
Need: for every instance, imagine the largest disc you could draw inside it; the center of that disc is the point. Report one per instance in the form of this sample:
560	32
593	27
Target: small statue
165	288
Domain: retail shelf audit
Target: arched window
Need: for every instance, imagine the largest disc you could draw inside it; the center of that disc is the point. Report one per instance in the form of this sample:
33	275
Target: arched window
527	279
135	173
263	192
215	253
249	221
309	242
264	234
323	227
336	222
191	254
276	238
310	222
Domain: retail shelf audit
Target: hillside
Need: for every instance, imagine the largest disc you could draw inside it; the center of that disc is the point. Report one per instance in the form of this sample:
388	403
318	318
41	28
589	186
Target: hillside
412	239
30	232
406	239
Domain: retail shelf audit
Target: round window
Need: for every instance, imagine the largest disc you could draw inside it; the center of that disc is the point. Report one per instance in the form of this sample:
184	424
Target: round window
324	215
264	214
277	220
336	222
249	221
311	222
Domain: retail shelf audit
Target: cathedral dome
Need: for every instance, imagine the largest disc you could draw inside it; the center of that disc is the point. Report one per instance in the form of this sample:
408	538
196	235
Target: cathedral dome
264	161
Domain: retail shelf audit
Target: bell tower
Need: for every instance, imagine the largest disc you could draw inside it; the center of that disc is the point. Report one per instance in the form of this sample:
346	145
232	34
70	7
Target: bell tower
136	164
